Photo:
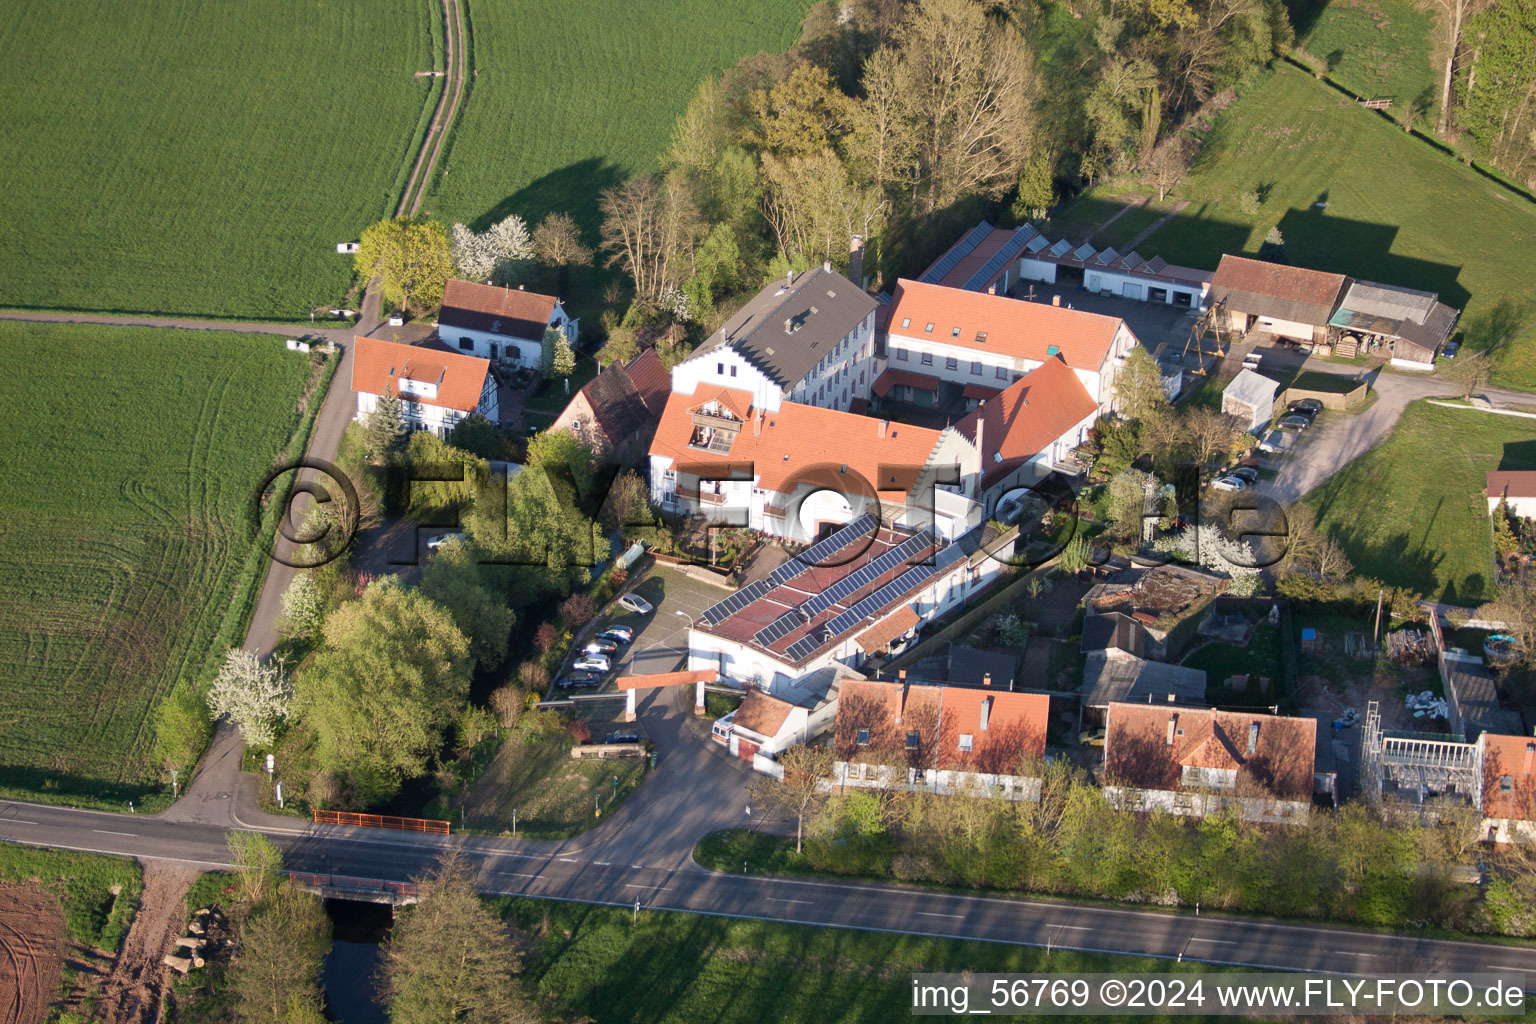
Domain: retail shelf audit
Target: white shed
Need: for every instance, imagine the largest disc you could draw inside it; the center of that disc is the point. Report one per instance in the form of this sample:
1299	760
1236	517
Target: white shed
1251	398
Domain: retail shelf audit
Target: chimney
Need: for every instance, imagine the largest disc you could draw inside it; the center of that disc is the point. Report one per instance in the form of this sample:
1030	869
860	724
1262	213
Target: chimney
519	287
1055	300
789	325
1173	725
1253	738
902	675
856	262
757	424
902	707
826	265
789	277
1530	758
986	679
881	426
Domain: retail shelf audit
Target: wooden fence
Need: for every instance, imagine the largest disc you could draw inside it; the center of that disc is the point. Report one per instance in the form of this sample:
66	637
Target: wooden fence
381	821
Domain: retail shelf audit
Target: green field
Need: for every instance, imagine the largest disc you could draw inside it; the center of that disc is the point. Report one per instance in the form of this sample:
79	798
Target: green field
94	916
172	156
1375	48
126	554
1397	210
572	97
1411	511
686	968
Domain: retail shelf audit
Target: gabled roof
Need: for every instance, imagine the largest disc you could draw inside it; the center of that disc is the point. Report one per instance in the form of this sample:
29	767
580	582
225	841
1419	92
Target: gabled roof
787	328
1514	758
1003	727
1028	417
1148	746
651	380
512	312
617	404
1112	675
1275	290
1513	483
889	379
459	379
1012	327
782	445
887	629
762	714
1113	631
1252	389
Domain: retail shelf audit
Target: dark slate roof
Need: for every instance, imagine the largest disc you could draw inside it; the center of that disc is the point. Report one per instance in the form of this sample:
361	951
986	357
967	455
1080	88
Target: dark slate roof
1113	630
618	404
1110	676
785	331
511	312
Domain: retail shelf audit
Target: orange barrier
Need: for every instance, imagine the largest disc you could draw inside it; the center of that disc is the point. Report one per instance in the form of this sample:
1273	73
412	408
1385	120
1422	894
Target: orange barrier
381	821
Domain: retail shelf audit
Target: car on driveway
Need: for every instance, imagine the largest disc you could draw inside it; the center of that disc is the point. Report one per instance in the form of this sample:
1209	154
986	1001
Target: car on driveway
1306	407
1229	483
578	681
441	539
1247	474
622	737
600	646
618	634
593	663
1296	422
1276	443
1450	350
636	604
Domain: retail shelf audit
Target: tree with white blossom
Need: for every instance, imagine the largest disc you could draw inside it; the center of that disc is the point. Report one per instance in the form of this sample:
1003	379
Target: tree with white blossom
500	255
1204	545
256	696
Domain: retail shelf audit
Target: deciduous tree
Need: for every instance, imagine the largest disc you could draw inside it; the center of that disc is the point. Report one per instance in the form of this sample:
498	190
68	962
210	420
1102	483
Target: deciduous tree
412	258
650	226
799	792
1139	391
256	696
256	862
283	945
1469	372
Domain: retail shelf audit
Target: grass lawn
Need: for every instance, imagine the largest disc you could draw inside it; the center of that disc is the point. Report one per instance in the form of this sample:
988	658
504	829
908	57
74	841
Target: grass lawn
1376	48
1398	211
569	98
1259	659
127	561
1411	511
1079	219
185	157
94	915
668	967
552	792
552	399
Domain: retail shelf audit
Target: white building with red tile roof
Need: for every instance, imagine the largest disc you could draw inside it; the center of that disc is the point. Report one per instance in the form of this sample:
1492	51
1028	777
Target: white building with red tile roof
1515	486
436	389
501	324
941	739
975	338
1507	792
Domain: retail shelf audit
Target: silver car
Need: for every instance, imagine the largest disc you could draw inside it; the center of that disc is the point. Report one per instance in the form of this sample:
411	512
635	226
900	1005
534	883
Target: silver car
636	604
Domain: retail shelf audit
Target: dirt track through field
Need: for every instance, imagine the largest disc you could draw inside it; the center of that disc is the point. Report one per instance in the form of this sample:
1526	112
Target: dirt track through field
455	42
135	989
31	953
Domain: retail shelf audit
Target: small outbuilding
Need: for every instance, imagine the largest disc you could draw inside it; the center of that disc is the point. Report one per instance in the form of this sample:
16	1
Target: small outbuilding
1251	398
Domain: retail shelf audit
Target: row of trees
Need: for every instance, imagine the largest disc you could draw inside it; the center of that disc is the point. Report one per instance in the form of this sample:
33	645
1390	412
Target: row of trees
1488	81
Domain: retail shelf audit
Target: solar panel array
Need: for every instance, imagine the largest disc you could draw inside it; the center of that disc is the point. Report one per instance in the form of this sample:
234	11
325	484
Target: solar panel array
958	252
843	588
719	612
807	645
999	259
823	549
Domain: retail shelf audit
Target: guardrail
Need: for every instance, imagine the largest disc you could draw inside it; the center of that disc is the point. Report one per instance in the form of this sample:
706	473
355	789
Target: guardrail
354	884
381	821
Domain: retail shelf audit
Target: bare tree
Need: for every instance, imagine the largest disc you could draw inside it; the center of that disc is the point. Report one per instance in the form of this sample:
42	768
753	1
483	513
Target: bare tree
650	226
557	242
880	143
813	206
806	769
1169	163
1210	433
1314	552
1469	373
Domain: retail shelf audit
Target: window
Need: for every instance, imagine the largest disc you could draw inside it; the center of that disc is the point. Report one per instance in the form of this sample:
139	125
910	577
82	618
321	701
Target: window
965	742
950	363
906	321
981	337
1002	373
720	369
927	359
928	329
901	355
955	333
1506	783
863	737
733	371
912	739
1052	350
976	367
465	345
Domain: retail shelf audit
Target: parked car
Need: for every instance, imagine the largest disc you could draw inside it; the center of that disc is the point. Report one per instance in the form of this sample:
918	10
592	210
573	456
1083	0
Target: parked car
1450	349
578	681
636	604
622	737
618	634
1295	422
1306	407
600	646
441	539
1275	443
1252	360
1229	483
1247	474
593	663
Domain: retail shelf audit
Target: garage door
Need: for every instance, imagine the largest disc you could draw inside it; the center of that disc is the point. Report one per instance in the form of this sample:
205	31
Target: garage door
745	749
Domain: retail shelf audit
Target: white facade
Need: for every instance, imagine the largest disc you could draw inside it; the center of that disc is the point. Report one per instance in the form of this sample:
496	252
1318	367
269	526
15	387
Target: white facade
506	348
1130	285
420	415
727	368
844	373
1199	803
856	775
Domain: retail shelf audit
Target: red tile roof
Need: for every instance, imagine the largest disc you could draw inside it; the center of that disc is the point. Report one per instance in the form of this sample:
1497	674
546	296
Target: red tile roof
781	446
459	379
904	378
1518	483
1028	417
1512	757
483	307
1276	280
940	716
883	632
707	675
651	380
762	714
1137	751
1013	327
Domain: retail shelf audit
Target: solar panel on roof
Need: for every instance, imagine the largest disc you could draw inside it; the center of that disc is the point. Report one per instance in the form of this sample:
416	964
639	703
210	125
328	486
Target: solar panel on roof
959	251
1061	248
1131	261
722	610
1037	243
878	600
1156	265
1107	257
1082	252
993	266
844	588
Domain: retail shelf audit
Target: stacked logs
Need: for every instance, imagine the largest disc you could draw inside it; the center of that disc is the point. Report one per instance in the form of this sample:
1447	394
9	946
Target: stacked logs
190	948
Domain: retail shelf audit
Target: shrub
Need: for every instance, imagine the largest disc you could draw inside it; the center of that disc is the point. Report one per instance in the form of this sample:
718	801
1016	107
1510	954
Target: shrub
1249	202
507	703
577	610
546	637
580	731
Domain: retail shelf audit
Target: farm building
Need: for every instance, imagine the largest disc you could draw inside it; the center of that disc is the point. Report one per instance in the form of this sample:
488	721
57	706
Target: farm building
1411	325
1196	761
504	325
940	739
436	389
808	339
617	411
1251	398
1516	487
1287	302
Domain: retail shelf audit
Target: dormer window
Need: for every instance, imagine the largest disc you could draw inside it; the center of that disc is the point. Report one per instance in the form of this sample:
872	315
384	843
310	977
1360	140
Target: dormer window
863	737
955	333
928	329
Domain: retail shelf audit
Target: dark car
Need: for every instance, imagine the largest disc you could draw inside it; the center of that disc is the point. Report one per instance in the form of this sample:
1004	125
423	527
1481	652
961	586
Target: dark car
617	635
578	680
602	645
1295	422
622	737
1450	350
1307	407
1246	473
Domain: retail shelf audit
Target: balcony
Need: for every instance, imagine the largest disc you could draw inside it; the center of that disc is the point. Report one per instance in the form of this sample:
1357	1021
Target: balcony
716	422
699	497
773	512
